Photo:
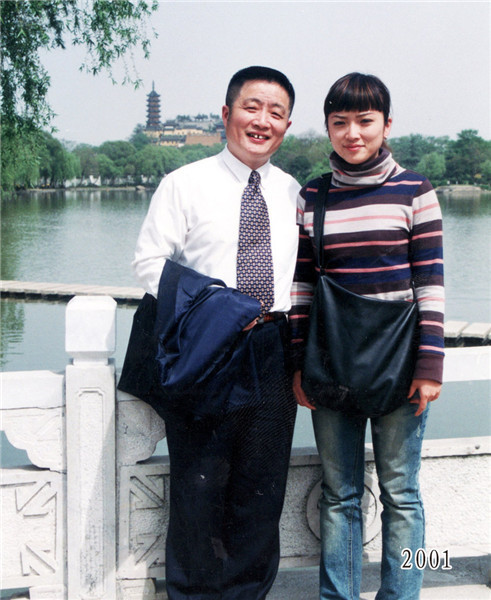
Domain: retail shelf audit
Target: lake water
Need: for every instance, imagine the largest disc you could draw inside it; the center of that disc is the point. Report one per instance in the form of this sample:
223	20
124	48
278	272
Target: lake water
89	237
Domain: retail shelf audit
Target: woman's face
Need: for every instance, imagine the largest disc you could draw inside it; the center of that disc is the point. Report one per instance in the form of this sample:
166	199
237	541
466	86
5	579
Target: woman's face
357	135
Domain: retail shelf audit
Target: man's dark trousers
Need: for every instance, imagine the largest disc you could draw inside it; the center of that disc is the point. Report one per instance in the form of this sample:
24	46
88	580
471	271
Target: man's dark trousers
228	478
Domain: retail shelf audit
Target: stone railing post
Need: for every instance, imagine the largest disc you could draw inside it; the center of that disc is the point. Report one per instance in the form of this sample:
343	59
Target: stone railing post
91	448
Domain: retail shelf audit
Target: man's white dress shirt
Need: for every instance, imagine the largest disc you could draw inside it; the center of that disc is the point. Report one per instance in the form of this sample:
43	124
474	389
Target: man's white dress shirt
193	219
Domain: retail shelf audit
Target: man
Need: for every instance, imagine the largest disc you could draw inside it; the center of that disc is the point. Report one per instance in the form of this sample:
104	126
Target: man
228	473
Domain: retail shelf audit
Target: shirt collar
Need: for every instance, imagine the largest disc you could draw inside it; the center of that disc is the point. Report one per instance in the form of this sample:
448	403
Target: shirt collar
242	171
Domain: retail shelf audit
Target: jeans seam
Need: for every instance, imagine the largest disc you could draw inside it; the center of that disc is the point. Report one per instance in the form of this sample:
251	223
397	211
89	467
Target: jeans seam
351	517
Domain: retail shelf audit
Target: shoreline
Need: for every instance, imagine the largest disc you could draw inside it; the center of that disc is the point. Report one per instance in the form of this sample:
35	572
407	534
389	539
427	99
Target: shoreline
443	189
91	188
461	189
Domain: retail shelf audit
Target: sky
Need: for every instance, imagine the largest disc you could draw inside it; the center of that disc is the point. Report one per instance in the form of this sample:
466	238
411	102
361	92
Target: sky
433	56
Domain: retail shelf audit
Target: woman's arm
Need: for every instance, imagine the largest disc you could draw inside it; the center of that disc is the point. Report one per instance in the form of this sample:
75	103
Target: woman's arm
426	258
303	284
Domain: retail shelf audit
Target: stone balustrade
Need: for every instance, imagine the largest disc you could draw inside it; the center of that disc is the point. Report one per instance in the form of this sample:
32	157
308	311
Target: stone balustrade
87	519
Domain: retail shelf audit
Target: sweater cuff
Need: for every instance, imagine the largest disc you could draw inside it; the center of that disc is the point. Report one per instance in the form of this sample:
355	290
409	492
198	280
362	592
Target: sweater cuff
429	366
297	354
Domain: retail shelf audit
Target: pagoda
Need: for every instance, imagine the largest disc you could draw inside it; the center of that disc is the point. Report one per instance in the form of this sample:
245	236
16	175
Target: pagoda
153	110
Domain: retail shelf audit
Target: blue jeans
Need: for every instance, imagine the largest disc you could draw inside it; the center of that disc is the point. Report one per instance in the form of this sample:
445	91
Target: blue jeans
397	440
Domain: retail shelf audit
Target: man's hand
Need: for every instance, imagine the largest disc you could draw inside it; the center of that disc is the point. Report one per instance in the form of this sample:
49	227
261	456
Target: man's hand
300	395
427	391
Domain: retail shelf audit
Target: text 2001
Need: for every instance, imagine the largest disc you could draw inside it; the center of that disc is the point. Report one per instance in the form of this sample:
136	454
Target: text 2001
423	558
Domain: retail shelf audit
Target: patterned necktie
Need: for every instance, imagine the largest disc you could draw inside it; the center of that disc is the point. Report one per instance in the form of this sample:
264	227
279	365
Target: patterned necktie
254	256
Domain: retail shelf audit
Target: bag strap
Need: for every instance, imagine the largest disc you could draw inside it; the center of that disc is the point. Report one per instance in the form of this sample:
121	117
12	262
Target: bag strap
319	213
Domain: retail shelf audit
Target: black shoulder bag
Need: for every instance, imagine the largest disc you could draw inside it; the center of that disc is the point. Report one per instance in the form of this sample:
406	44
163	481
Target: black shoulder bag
360	352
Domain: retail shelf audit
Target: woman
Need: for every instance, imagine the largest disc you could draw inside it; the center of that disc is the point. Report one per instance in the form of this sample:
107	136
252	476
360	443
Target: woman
383	239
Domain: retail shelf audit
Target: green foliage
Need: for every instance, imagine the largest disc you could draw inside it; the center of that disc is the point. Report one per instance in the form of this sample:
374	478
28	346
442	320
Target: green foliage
150	162
44	161
25	82
108	30
138	137
107	169
304	157
433	166
408	150
467	156
34	159
87	157
121	154
461	161
485	174
56	165
196	152
20	162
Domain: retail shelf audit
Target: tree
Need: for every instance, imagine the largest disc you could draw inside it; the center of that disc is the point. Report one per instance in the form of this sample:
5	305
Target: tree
410	149
139	138
172	158
196	152
121	153
108	30
486	172
466	156
107	169
433	166
20	163
150	162
303	157
87	156
56	165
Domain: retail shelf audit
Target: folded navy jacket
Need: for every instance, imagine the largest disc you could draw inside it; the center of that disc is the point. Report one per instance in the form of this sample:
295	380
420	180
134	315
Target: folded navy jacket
184	346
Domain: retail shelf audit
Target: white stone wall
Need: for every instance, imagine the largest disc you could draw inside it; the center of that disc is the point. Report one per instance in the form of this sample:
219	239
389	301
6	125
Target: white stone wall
88	518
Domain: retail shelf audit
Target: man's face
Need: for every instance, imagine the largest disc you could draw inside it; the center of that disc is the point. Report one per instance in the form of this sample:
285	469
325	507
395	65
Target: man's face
257	122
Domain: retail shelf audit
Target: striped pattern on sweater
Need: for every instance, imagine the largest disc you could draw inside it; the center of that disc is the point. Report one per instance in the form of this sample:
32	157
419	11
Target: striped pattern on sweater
379	241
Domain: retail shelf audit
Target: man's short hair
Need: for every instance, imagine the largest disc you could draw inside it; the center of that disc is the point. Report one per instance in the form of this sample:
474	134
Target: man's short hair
258	74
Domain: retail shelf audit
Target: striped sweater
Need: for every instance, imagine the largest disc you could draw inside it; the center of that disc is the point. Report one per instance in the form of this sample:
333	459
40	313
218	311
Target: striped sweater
382	233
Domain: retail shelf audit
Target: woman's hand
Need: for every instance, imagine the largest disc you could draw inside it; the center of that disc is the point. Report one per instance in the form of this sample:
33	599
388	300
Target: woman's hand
428	390
300	395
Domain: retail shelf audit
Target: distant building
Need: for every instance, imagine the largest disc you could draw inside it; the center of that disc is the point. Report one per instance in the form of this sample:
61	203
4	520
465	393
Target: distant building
184	130
153	110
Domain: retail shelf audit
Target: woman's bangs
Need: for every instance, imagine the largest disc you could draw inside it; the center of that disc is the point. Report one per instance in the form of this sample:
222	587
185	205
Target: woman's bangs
356	98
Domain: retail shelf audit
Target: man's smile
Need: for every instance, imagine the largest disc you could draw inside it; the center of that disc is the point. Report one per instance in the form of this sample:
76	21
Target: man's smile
258	136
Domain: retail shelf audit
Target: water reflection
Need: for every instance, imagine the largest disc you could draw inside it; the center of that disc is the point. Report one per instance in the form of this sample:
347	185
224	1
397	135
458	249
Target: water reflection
467	255
12	328
472	203
72	236
33	335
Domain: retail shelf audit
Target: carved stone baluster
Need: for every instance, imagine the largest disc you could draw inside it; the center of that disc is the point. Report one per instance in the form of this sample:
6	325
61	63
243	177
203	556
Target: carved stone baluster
91	448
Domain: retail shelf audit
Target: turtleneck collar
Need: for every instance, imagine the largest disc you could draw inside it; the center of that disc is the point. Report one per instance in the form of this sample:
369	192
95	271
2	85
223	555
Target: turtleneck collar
372	172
